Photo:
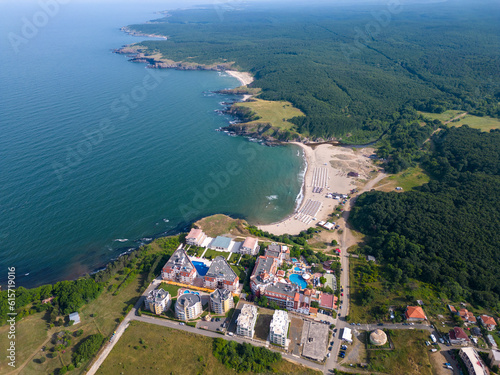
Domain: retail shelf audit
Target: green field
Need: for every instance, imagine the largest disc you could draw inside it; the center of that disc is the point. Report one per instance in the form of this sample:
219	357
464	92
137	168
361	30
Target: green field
407	179
172	289
214	253
275	113
167	351
484	123
409	357
217	225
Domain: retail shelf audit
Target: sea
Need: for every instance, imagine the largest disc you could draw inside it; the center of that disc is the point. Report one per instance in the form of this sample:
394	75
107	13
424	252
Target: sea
99	155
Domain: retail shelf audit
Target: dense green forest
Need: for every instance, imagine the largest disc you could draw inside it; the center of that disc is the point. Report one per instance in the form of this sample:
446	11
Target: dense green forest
244	357
351	70
446	232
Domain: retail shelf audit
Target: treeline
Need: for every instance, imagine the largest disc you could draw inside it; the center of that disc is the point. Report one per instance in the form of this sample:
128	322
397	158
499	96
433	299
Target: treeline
446	232
348	86
244	357
70	295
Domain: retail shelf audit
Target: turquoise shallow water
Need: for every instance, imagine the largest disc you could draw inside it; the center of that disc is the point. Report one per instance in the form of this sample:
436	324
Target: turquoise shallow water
97	152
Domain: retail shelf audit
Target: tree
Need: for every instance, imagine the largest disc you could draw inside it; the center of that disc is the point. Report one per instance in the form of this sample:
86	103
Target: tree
322	280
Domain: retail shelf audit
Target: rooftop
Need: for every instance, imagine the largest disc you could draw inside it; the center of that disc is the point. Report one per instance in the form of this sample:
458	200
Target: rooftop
415	312
188	300
221	269
474	359
250	242
247	317
458	333
287	289
180	261
157	295
315	339
222	242
279	324
263	264
194	233
488	320
221	295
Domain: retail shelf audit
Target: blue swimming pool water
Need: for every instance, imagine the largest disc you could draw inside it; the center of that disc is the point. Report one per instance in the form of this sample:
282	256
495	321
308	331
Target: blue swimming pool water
297	269
294	260
298	280
188	291
200	267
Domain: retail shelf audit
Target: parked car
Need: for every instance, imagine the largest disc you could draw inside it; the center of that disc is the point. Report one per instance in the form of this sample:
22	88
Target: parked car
182	324
328	355
343	347
380	324
447	364
342	294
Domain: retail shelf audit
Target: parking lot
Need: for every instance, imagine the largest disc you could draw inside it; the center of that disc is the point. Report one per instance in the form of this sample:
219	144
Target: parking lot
212	326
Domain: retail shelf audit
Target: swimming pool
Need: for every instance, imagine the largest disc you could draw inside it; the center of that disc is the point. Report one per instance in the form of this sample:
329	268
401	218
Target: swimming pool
298	280
201	267
297	269
188	291
294	260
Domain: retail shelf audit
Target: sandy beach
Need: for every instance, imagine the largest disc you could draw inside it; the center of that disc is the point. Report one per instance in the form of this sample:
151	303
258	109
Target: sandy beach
244	77
327	169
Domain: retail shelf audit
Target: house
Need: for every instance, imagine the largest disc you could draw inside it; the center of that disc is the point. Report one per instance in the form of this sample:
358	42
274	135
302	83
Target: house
250	246
281	273
494	358
74	317
179	268
188	306
157	301
221	243
289	296
245	324
415	313
488	322
370	258
458	336
195	237
220	275
327	301
221	301
278	330
473	362
452	309
467	316
47	300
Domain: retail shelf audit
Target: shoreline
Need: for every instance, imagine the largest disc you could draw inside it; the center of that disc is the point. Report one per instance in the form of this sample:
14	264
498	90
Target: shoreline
327	167
245	78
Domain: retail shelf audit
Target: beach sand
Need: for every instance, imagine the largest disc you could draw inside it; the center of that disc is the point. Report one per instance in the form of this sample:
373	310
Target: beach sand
336	162
244	77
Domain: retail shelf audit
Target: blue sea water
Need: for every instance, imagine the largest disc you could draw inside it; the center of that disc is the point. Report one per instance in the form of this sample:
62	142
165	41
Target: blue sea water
97	153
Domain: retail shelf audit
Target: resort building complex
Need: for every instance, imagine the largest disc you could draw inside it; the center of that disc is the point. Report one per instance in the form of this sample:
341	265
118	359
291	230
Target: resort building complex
278	252
179	268
279	328
157	301
220	275
221	301
245	324
188	306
